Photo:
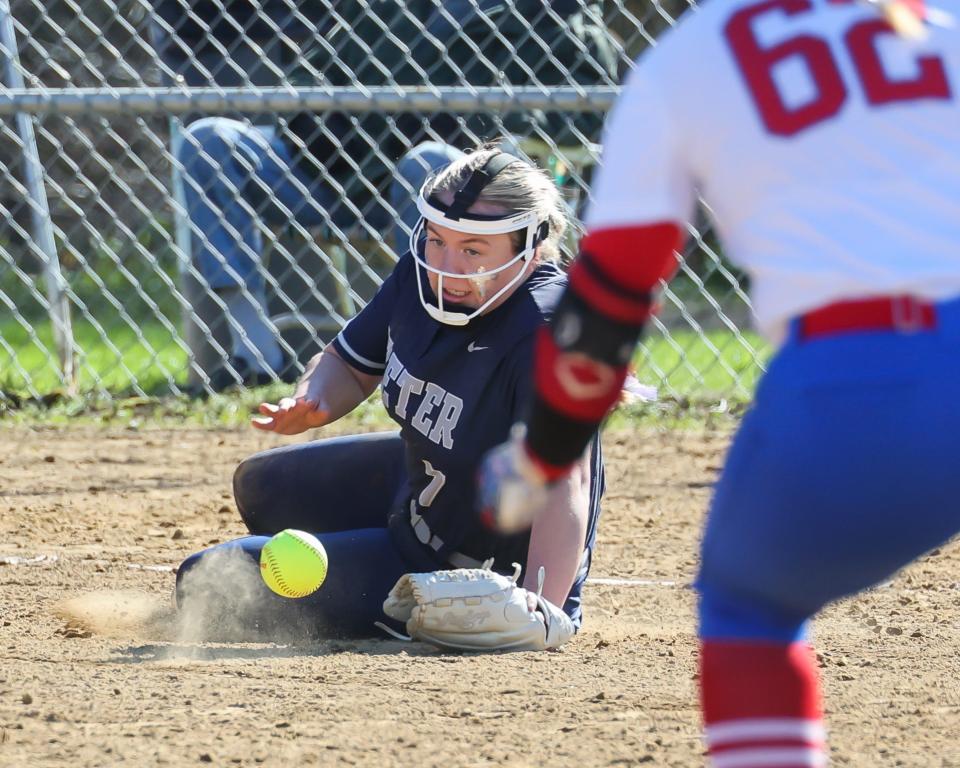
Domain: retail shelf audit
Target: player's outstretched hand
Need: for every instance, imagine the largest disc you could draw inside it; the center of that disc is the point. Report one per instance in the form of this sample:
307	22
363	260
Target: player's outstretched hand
512	491
291	416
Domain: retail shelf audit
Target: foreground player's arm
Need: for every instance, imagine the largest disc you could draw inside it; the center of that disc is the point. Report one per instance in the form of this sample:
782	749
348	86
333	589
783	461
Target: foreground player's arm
581	360
557	536
329	388
644	188
580	364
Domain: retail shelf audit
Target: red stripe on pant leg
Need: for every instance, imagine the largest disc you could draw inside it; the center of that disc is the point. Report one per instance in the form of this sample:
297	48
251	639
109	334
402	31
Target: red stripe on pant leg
765	744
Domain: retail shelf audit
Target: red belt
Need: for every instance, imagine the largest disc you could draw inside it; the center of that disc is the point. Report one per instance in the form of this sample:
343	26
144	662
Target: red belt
899	313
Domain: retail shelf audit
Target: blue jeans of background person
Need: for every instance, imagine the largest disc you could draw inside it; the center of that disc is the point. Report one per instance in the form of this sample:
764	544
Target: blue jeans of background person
844	471
237	176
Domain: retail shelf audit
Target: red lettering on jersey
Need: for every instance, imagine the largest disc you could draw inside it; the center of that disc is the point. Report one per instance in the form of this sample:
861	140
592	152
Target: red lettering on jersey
880	88
757	64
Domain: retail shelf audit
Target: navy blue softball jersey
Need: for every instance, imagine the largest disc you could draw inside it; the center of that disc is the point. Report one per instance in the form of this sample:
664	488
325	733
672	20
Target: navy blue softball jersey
455	392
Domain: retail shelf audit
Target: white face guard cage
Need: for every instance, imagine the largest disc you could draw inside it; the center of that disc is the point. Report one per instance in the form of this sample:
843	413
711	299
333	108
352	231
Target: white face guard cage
454	216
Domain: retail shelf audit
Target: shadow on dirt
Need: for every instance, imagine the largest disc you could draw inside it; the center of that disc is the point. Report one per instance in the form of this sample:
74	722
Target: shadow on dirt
213	652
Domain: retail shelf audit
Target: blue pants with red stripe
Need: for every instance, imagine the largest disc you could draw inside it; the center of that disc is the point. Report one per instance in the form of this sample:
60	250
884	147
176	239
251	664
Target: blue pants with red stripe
844	471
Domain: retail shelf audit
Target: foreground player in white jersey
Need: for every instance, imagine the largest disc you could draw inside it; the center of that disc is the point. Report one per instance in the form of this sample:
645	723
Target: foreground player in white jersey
828	149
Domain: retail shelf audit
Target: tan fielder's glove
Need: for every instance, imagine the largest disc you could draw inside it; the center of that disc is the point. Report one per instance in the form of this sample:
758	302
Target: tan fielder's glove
476	609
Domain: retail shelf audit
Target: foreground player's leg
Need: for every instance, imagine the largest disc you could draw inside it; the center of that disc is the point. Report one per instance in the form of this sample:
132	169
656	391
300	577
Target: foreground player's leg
842	474
760	688
761	704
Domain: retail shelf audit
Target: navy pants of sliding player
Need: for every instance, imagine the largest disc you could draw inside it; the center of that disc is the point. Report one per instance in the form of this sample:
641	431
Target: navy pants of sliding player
341	490
843	472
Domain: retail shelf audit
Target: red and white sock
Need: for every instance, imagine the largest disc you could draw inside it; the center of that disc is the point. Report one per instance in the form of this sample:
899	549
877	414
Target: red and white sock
761	705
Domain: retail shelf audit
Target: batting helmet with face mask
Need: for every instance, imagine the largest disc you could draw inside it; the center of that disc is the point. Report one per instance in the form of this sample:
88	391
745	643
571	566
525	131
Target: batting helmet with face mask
457	217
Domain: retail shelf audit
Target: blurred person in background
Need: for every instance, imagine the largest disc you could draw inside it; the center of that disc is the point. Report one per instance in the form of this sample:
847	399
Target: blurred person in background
357	175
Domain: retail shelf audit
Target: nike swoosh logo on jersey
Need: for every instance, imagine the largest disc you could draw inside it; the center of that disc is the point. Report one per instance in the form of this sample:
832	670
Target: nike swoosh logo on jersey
472	347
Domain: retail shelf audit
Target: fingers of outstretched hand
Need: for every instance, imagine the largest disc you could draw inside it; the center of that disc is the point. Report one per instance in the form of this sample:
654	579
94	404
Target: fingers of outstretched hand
267	418
289	417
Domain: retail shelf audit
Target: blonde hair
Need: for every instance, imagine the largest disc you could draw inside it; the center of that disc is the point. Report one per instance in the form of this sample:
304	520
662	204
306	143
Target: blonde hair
518	188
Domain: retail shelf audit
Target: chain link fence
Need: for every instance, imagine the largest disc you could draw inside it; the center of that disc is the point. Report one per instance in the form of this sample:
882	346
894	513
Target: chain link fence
112	282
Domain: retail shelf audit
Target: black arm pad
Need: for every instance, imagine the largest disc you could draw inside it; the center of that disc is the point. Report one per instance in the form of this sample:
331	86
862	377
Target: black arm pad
557	439
578	327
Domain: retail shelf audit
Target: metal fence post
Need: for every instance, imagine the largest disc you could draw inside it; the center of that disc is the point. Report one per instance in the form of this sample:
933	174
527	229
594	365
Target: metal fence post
56	286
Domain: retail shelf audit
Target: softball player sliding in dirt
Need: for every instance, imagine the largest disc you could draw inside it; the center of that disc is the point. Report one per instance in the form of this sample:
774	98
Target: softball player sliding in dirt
828	149
448	338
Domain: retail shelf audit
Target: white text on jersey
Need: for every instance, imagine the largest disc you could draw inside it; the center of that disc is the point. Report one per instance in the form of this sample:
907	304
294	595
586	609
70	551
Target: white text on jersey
438	411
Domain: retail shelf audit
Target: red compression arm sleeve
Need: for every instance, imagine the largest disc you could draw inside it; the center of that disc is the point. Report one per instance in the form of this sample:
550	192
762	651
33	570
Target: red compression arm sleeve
581	360
634	258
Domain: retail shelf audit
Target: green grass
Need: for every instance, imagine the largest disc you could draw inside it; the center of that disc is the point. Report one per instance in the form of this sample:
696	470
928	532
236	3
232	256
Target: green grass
149	360
116	359
713	366
703	381
232	411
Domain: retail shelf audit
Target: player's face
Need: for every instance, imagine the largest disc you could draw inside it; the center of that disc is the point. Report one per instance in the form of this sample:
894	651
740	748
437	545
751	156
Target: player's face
471	255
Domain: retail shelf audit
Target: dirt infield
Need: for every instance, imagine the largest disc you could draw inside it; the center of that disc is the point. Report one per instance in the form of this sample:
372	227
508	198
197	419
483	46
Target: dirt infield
102	517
